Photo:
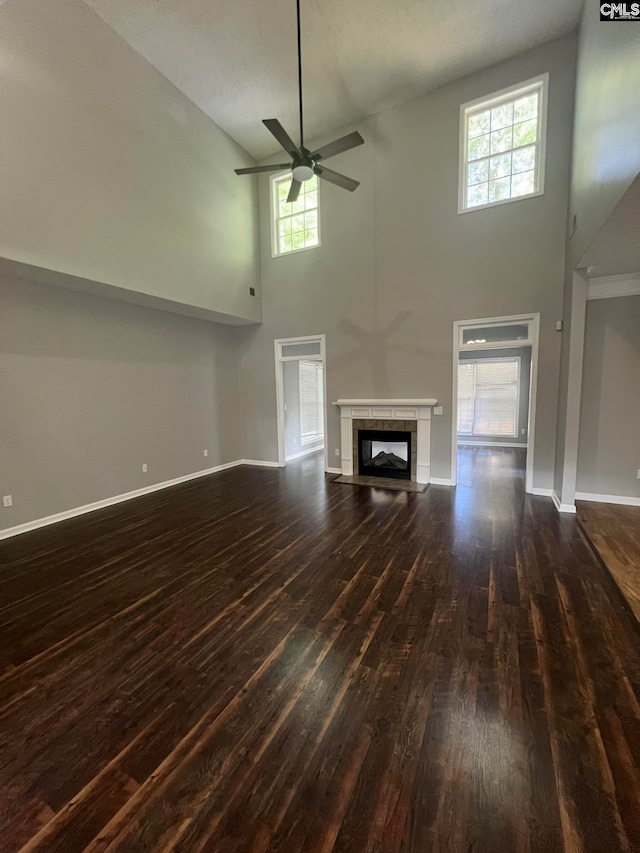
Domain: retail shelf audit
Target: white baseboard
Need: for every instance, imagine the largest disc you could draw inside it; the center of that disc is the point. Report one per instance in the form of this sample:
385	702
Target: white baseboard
543	493
260	463
569	508
440	481
333	470
490	444
303	453
623	500
116	499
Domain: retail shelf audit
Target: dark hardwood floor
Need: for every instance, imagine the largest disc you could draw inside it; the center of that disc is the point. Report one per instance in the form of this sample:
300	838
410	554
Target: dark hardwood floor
263	660
614	531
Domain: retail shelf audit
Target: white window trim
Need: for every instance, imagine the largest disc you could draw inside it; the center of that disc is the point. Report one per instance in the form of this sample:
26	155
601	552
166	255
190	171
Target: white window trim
518	361
274	219
542	84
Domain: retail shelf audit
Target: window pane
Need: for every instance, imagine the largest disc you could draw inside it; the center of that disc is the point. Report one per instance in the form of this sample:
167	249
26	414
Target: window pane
524	159
297	240
523	184
501	140
297	222
311	401
479	124
478	172
286	243
502	116
499	189
525	133
525	108
478	147
477	194
496	399
311	237
284	227
491	334
500	166
311	200
466	382
311	219
306	348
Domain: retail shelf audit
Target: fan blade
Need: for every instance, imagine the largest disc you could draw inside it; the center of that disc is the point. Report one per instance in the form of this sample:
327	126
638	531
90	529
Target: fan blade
274	126
254	170
294	192
336	178
345	143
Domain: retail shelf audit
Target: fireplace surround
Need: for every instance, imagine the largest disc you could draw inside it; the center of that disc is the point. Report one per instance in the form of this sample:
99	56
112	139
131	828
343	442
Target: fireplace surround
386	416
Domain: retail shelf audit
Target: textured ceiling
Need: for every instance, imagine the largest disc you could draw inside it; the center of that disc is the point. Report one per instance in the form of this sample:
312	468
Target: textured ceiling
236	59
616	249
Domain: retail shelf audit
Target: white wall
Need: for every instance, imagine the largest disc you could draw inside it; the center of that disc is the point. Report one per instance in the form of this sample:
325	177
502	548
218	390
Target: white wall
108	173
398	264
91	389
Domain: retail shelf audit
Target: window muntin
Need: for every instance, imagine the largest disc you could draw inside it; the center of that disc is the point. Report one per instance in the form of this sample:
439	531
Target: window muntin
311	401
488	397
296	226
503	144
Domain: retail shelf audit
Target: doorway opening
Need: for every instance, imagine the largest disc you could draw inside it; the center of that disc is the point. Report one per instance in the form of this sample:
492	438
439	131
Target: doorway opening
301	396
494	387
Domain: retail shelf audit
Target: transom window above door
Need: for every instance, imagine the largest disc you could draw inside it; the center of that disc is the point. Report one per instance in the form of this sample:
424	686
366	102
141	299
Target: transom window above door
503	146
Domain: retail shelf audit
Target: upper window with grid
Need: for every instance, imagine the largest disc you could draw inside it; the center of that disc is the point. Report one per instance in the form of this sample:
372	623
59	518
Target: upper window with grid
503	143
296	225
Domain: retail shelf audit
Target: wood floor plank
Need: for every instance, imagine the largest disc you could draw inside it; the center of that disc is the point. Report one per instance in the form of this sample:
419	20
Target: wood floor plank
263	661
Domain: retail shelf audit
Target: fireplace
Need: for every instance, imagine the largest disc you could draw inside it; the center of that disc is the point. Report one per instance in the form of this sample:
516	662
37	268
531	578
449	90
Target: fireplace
402	415
384	453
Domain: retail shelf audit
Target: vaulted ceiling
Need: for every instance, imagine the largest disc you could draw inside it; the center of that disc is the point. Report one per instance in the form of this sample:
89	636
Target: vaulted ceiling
236	59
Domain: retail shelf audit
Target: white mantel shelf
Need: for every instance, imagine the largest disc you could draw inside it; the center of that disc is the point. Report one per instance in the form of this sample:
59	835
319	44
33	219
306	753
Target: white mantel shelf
422	402
400	409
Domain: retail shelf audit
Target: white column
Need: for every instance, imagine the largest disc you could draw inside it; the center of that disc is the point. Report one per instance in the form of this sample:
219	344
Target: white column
346	441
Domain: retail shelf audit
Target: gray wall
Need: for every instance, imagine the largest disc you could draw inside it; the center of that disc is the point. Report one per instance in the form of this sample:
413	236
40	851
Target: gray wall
109	173
606	146
398	264
524	353
91	389
609	444
606	160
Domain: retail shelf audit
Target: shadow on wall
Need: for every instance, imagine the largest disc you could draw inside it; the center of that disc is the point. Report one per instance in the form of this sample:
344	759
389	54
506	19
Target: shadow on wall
374	347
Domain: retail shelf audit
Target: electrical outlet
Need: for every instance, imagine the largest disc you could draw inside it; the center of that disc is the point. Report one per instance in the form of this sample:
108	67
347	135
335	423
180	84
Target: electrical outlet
144	467
437	410
295	440
638	474
206	453
337	451
7	500
523	431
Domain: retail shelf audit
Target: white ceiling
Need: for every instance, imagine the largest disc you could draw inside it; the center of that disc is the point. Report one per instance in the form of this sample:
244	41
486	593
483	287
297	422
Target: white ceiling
236	59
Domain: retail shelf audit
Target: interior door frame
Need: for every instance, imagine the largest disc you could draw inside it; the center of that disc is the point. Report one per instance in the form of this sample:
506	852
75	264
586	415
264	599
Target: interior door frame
533	322
280	359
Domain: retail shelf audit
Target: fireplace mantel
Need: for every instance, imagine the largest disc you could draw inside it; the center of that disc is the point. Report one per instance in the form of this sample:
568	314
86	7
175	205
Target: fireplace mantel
387	410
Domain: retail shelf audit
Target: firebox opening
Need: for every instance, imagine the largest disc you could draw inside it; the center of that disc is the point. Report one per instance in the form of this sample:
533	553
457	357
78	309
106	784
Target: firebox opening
384	453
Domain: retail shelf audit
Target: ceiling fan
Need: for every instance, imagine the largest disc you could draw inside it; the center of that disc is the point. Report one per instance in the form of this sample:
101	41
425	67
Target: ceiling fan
305	163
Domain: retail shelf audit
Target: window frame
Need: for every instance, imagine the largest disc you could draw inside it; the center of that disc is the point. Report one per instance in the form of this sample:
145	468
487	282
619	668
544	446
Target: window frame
479	360
275	217
539	83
